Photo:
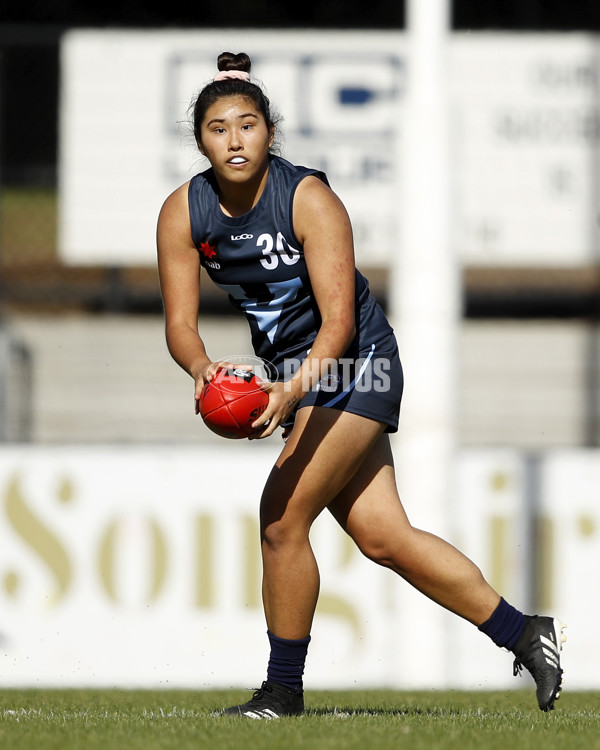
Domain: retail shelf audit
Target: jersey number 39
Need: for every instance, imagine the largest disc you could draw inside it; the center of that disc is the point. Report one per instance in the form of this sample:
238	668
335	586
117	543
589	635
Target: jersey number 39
277	249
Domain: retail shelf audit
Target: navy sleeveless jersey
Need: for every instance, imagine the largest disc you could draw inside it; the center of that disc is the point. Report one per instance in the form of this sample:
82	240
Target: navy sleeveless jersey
257	259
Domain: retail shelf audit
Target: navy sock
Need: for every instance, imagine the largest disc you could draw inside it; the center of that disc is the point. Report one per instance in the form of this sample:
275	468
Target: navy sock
286	663
505	625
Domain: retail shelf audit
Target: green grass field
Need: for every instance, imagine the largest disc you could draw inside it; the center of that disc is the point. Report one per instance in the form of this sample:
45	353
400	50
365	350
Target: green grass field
29	225
377	720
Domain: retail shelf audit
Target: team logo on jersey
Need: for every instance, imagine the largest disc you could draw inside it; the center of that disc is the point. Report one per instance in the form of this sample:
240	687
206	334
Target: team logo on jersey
209	251
236	237
330	383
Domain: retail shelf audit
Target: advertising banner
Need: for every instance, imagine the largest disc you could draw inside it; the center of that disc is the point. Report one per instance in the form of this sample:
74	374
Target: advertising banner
524	136
140	567
127	139
569	555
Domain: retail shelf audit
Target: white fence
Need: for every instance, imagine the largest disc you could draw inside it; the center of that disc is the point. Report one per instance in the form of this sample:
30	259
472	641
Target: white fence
140	567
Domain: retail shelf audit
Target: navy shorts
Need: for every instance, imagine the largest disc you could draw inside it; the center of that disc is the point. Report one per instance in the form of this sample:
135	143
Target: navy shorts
367	382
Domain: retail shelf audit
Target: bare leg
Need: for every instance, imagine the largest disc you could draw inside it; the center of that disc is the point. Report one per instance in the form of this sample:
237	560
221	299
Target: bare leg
369	510
315	464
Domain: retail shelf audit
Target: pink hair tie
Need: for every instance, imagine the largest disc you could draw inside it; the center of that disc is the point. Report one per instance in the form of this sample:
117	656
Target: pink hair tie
225	75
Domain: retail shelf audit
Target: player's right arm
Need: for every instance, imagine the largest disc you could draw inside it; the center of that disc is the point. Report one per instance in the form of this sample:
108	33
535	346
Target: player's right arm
179	274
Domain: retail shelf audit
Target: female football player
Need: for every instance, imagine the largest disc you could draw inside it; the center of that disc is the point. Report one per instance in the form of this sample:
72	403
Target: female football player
279	241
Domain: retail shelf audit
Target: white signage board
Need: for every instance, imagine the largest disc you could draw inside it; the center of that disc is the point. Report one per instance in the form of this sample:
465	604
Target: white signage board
490	526
126	139
569	565
524	134
140	567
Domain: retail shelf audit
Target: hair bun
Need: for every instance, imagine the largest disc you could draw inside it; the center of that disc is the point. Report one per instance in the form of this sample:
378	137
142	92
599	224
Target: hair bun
230	61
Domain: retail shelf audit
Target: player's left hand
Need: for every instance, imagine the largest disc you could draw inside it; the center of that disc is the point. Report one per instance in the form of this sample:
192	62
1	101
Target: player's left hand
281	403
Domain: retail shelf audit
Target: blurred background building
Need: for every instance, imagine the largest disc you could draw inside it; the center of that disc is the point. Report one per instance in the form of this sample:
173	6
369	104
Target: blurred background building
521	322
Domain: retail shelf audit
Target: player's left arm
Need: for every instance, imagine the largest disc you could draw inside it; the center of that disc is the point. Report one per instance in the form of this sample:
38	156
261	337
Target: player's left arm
322	225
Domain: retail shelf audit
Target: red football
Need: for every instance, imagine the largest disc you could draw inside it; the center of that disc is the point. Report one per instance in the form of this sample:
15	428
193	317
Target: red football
231	401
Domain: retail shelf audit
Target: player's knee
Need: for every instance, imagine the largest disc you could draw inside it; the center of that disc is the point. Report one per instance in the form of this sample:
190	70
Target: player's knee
273	536
391	550
281	534
280	526
376	550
